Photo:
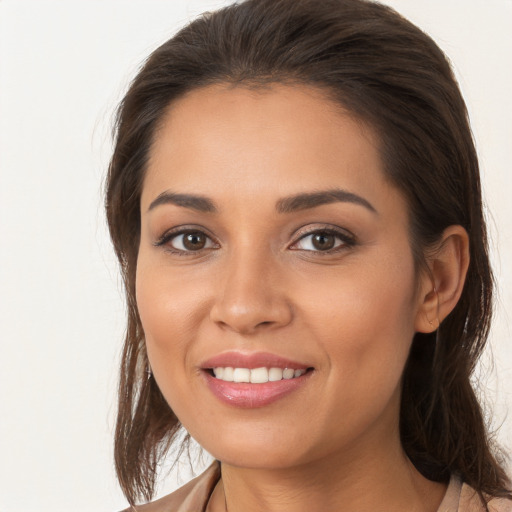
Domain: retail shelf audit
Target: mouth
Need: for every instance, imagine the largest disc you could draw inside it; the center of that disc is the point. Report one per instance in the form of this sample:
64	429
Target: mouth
260	375
253	380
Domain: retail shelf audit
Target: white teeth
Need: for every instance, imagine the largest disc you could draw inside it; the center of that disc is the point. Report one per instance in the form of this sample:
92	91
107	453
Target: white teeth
288	373
242	375
227	374
256	375
259	375
275	374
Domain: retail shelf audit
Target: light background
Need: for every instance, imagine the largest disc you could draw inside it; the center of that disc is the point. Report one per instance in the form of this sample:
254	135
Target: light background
63	67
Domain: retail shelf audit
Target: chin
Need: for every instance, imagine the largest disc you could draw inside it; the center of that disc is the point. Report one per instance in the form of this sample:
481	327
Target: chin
256	449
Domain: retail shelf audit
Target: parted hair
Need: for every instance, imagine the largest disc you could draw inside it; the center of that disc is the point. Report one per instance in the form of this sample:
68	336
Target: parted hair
388	73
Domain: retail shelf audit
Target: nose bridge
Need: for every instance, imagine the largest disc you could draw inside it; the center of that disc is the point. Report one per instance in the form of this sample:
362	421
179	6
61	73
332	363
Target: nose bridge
250	295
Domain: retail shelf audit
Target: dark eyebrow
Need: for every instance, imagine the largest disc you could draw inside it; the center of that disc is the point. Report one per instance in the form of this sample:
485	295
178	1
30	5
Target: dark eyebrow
289	204
199	203
313	199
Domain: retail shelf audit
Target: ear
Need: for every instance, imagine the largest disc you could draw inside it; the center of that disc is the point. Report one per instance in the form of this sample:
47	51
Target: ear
442	287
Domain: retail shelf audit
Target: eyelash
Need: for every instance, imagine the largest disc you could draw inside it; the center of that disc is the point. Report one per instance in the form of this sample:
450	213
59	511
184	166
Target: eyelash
347	240
168	236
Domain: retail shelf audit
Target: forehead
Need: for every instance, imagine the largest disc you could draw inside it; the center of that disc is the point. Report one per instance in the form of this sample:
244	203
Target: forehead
277	140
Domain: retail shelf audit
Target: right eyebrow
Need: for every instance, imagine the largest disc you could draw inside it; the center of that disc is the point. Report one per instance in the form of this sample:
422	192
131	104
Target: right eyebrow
308	200
195	202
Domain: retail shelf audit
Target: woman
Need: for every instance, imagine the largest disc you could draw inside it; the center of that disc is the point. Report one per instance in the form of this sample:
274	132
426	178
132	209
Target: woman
294	198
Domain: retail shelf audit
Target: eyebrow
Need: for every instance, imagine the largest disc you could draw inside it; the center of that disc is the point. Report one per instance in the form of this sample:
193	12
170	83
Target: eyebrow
313	199
288	204
195	202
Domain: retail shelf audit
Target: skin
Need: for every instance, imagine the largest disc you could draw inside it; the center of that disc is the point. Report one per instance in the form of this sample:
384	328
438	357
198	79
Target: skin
260	285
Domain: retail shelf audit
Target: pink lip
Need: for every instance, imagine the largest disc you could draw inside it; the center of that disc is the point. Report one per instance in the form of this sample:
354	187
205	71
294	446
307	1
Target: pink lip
246	395
250	396
253	360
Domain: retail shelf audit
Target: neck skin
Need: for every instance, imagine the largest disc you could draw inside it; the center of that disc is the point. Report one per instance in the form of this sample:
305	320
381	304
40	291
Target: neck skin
372	474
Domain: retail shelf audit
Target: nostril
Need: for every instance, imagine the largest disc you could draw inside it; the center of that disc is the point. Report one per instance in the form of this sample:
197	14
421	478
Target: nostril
248	313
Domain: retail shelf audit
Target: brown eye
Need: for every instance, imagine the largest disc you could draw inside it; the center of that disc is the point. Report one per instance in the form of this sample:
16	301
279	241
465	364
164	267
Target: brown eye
194	241
191	241
323	241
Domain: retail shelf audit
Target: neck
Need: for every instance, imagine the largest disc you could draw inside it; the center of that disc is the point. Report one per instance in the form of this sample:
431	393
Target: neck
378	479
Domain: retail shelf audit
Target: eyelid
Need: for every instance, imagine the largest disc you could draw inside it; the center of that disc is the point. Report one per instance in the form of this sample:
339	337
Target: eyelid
176	231
347	238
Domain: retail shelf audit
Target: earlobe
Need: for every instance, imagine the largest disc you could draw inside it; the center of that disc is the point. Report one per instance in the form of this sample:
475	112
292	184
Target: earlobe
442	287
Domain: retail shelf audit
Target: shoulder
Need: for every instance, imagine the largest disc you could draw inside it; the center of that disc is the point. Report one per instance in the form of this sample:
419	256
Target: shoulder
460	497
192	497
500	505
471	502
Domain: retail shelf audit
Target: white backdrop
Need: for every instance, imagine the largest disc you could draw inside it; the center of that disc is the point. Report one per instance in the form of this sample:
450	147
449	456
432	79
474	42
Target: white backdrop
63	67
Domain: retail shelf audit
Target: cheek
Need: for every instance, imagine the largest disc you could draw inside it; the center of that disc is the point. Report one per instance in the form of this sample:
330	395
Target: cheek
365	320
169	310
167	298
174	305
169	313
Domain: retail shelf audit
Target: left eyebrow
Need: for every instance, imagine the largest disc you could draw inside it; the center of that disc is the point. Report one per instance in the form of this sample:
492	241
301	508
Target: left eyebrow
314	199
192	201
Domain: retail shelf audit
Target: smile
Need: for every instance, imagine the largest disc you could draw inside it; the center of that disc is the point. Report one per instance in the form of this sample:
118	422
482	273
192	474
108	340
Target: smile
253	380
256	375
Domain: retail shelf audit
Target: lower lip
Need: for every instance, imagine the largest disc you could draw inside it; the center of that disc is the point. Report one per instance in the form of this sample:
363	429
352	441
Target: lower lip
251	396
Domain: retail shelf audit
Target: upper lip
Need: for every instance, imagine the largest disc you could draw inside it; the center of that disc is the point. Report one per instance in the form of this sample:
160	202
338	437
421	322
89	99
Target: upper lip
252	360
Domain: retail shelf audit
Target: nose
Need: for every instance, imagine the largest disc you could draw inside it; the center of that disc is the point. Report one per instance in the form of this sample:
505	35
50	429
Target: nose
251	296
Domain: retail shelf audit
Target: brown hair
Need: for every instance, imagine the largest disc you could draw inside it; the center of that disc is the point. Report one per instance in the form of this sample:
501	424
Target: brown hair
391	75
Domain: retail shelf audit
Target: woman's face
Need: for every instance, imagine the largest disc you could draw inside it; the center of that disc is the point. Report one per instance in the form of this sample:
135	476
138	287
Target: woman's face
271	241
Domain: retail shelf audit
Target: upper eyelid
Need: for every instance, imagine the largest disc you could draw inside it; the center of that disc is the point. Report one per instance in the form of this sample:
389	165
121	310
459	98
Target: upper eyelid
347	238
181	230
329	228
